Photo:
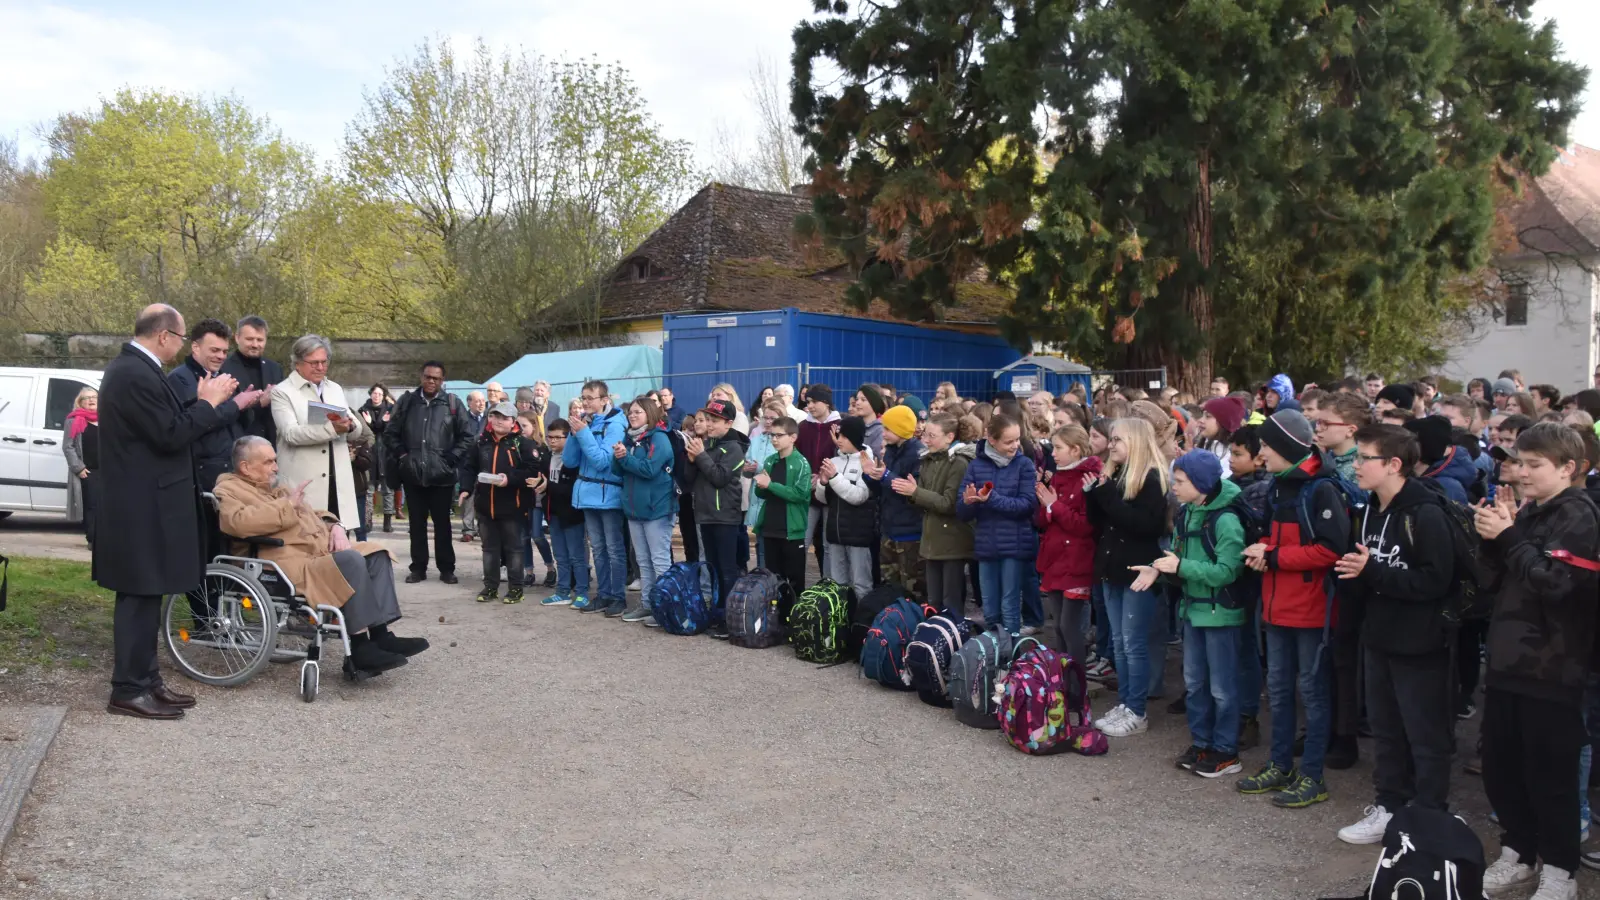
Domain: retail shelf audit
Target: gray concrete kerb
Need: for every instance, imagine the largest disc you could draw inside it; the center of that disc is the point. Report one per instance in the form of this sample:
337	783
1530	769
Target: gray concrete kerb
26	734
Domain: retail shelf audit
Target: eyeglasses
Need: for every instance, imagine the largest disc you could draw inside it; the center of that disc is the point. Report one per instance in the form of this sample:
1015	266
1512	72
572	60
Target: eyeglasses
1116	440
174	334
323	364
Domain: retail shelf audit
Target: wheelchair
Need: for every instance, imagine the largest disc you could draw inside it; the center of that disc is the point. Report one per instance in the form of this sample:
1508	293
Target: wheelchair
246	614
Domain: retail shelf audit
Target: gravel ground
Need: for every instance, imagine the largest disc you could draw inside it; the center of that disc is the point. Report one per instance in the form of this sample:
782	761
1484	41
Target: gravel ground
542	753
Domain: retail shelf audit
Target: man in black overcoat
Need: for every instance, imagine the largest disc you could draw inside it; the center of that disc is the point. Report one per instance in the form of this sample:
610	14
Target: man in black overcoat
250	367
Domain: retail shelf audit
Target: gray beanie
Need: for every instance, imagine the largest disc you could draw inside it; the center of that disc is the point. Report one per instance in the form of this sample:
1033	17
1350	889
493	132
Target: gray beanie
1290	434
1504	386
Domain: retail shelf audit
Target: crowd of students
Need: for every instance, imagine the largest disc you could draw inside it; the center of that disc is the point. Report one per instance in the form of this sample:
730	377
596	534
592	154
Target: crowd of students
1360	553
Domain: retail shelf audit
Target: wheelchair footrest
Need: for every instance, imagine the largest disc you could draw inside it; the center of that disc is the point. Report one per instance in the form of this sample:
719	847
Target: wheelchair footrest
357	675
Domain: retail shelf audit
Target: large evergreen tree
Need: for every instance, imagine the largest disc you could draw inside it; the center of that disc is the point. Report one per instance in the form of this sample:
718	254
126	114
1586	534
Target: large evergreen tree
1142	170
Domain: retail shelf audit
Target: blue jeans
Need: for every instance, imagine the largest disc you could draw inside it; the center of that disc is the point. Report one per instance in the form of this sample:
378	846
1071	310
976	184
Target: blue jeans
652	543
1293	657
572	558
533	536
1250	660
1102	636
1160	631
1129	612
604	527
1032	604
1211	674
1002	592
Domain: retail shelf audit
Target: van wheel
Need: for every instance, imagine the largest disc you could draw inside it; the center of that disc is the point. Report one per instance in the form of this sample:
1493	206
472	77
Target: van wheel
5	514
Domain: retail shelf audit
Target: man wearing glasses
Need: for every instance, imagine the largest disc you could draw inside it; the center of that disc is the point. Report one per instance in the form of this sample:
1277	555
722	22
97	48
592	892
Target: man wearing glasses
148	543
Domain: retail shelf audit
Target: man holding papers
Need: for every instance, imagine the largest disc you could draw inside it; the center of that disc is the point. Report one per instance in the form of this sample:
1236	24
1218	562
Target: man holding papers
315	428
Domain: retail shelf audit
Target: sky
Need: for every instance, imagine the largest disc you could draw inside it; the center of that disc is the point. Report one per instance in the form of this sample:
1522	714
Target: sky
305	64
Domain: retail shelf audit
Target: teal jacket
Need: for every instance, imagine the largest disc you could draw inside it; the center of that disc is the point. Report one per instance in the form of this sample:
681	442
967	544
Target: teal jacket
1201	576
795	492
646	471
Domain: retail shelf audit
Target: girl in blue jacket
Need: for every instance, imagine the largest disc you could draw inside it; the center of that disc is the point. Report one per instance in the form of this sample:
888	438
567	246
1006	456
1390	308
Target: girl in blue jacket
998	496
643	459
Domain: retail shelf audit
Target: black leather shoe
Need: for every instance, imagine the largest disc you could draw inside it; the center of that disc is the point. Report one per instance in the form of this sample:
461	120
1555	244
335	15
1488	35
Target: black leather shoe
172	698
448	577
414	577
143	706
405	646
370	657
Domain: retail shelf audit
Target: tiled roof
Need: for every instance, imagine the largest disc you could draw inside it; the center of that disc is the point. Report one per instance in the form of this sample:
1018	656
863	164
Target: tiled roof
732	248
1559	212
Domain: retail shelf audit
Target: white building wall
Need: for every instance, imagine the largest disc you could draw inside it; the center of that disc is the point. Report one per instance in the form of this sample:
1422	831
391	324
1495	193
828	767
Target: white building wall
1557	346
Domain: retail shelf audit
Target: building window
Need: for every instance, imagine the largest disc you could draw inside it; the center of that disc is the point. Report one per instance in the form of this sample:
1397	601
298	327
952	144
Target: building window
1516	304
641	269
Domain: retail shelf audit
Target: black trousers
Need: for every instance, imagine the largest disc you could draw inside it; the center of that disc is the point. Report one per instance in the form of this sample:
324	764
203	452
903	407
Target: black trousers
691	535
722	557
1469	657
424	503
1530	773
787	560
135	625
91	502
1408	707
502	546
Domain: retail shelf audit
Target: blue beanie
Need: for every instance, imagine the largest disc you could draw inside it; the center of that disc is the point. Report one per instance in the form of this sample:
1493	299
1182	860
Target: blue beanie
1203	468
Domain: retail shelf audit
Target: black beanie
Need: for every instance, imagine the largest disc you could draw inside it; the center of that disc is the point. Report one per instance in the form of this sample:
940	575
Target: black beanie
854	430
1400	395
819	393
874	399
1433	436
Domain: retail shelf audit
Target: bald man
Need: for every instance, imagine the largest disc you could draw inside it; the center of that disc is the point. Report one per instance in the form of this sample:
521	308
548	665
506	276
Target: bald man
148	535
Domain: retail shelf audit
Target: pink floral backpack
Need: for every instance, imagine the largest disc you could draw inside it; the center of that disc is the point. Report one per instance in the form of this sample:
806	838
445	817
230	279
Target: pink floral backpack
1044	705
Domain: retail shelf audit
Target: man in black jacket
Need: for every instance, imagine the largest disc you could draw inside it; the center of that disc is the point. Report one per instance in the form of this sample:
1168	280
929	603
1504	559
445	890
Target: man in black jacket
1402	574
250	367
213	451
427	440
148	538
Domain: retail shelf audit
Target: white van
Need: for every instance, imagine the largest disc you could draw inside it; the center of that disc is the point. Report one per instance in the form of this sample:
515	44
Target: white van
33	405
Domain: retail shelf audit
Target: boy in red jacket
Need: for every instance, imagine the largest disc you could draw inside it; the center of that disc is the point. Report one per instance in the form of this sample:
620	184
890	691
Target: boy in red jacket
1309	531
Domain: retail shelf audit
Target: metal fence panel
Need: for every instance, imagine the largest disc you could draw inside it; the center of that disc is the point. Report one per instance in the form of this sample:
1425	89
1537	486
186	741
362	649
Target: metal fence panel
975	383
691	389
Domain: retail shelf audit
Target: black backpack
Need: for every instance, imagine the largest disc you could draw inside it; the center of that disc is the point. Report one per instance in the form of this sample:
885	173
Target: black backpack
1474	601
1427	855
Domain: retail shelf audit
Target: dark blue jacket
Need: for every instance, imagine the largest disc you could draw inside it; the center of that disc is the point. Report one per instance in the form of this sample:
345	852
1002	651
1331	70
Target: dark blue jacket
1455	473
213	451
898	519
1002	525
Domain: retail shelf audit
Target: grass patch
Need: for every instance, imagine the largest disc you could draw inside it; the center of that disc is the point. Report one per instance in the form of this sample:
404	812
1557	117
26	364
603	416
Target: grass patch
55	615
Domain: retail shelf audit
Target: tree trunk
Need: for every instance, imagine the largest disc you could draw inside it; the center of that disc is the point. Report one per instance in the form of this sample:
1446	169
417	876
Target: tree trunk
1188	371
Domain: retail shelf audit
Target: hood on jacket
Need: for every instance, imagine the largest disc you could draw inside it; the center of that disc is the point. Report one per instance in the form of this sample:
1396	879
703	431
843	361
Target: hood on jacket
1226	492
1457	467
1282	386
1089	465
734	435
1317	465
833	416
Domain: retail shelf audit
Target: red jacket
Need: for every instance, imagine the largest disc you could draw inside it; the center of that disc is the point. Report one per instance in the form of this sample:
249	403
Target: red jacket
1295	585
1066	539
815	442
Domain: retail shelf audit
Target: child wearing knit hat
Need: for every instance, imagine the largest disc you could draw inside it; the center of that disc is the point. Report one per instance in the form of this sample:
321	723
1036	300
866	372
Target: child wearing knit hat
900	522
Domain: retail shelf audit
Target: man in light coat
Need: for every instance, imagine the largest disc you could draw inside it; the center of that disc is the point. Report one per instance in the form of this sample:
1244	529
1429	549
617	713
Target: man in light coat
314	448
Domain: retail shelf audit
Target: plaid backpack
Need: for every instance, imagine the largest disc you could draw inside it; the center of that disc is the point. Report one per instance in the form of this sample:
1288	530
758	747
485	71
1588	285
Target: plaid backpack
883	653
928	656
676	600
1044	705
977	669
756	608
819	623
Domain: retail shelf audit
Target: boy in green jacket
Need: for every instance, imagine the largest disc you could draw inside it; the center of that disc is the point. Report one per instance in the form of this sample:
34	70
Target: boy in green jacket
1210	540
784	483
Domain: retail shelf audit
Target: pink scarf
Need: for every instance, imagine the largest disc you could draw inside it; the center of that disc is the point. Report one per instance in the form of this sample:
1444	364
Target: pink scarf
79	419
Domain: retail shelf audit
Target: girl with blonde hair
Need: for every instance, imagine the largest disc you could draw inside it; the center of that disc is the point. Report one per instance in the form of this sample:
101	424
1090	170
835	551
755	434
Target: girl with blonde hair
1129	505
725	391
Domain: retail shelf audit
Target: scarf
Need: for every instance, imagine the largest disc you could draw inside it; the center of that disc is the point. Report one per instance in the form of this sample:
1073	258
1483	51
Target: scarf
1000	461
78	420
637	433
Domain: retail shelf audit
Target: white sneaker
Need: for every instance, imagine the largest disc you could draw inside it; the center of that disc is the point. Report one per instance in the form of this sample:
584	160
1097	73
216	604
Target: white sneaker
1029	631
1507	872
1556	884
1374	821
1116	713
1129	724
635	586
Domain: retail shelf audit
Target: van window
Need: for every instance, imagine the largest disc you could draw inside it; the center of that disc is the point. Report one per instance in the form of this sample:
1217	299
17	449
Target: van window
59	402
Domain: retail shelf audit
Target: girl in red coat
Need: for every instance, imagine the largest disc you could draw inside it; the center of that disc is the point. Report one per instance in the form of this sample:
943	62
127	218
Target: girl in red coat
1066	540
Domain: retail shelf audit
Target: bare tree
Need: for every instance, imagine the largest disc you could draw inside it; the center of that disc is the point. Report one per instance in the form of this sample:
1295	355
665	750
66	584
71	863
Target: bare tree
774	160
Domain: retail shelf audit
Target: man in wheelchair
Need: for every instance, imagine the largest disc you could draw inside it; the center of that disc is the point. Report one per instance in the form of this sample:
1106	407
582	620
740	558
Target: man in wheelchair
316	555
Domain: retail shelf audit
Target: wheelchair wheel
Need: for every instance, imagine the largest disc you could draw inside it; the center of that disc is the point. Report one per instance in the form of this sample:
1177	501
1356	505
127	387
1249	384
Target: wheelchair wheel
310	677
224	632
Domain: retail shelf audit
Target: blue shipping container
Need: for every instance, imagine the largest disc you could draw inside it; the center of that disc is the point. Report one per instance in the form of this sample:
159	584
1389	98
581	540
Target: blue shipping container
786	346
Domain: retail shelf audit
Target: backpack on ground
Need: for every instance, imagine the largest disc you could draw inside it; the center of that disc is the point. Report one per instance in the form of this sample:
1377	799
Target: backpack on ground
865	612
1044	705
1473	601
1427	854
928	657
883	654
677	602
756	606
977	669
819	623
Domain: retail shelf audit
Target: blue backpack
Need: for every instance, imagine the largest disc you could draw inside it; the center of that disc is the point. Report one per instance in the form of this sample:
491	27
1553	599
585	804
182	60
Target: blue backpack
928	657
676	600
883	653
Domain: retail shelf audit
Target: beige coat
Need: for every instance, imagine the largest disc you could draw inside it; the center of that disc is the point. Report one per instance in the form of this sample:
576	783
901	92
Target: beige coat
250	510
303	449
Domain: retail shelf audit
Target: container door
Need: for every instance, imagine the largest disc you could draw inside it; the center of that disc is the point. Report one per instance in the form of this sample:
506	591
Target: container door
16	396
47	467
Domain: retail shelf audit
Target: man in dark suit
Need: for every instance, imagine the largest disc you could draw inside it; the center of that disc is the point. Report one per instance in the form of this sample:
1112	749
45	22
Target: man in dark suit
148	541
213	451
250	367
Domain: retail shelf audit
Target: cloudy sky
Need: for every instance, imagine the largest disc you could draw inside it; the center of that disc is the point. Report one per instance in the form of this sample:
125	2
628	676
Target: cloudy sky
306	63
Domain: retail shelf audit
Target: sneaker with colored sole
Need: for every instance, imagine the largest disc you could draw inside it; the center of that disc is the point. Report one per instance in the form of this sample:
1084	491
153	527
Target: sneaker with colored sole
1213	764
583	604
1186	758
1302	793
513	595
1269	779
556	600
488	596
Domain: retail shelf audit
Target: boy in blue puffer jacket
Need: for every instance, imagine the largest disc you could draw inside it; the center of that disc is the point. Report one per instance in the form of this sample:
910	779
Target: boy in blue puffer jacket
599	494
900	548
998	496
